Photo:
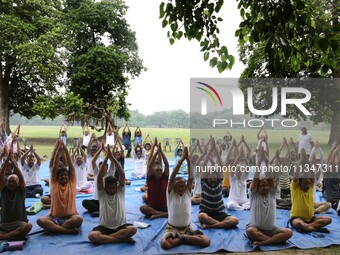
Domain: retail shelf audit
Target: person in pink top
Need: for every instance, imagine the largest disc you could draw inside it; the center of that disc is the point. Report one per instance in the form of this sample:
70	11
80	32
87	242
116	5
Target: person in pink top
63	217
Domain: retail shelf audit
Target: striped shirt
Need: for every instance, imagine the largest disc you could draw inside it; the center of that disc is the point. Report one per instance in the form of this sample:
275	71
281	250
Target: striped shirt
211	197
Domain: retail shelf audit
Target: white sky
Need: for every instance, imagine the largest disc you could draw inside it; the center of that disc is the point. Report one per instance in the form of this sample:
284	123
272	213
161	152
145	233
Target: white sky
165	85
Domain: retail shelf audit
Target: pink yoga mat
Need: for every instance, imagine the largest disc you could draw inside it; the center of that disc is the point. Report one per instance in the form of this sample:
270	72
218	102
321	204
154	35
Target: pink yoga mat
14	245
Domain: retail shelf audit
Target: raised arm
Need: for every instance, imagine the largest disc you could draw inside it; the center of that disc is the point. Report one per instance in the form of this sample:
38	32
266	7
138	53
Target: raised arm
3	171
53	155
151	154
190	174
68	159
56	161
259	134
102	172
175	172
95	156
17	171
36	155
256	179
24	156
165	160
118	167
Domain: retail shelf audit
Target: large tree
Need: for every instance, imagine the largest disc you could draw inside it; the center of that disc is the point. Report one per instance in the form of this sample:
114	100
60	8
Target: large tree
298	38
31	61
102	55
71	57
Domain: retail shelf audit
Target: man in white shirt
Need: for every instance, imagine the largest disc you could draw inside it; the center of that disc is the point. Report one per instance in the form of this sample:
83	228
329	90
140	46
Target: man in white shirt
30	172
112	219
79	164
178	230
305	141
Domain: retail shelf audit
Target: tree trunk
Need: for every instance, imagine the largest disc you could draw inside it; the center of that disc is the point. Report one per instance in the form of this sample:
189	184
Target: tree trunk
4	103
335	129
335	122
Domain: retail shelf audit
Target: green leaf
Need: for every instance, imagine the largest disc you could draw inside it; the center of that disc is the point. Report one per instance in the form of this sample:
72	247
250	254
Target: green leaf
242	12
323	43
337	52
172	41
232	60
213	62
307	63
206	56
223	50
324	70
161	10
260	26
221	66
164	23
283	41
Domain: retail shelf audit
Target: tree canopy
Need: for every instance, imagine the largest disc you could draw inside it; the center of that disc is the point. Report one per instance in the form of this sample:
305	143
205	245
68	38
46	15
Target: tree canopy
298	38
30	54
66	57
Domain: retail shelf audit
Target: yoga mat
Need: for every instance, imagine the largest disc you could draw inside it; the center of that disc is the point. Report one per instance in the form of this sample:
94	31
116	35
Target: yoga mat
35	208
148	239
14	245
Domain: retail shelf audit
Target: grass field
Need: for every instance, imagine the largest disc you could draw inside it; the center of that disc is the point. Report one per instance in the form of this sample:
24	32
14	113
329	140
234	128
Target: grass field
43	137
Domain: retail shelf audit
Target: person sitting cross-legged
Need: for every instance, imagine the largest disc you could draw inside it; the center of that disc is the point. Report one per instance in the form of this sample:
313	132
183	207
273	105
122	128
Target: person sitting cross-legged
63	217
302	191
112	216
262	229
157	181
14	223
212	210
178	230
30	171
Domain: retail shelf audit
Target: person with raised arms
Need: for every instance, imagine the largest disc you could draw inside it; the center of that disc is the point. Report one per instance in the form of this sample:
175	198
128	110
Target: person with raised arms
178	230
14	223
212	210
30	171
112	213
63	218
302	191
262	228
157	182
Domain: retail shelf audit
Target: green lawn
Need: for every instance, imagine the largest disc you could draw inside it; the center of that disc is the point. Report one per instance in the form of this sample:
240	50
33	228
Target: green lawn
43	137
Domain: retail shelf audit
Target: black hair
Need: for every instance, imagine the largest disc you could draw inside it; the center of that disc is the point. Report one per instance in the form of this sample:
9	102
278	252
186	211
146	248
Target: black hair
138	148
109	180
179	178
61	170
100	163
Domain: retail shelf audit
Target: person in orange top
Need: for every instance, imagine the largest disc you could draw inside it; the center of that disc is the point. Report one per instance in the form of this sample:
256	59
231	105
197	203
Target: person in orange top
63	217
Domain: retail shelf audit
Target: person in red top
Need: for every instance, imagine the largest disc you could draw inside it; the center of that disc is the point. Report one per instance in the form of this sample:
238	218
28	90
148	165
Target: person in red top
157	182
63	217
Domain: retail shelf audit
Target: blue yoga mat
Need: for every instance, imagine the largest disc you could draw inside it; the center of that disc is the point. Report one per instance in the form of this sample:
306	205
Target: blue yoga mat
148	240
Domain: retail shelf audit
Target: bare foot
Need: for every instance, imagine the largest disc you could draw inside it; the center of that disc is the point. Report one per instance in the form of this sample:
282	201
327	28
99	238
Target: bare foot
46	206
322	230
128	240
204	226
155	216
72	231
257	243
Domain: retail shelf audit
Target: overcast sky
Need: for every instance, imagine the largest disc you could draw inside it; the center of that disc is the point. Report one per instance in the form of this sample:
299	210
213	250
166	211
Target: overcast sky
170	67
